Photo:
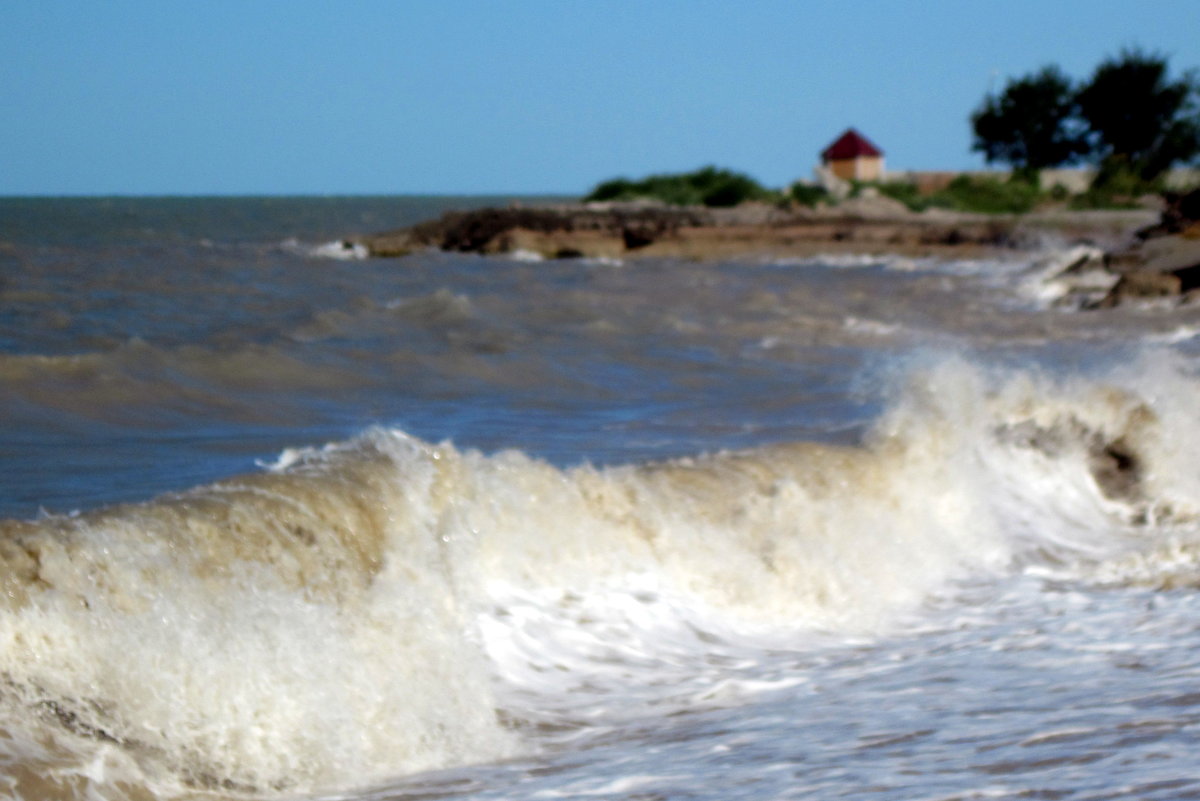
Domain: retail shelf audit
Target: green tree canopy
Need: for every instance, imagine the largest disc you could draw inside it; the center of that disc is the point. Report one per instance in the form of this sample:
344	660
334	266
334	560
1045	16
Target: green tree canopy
1032	124
1141	122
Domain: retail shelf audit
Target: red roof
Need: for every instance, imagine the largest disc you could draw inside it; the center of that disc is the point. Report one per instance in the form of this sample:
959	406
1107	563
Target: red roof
850	145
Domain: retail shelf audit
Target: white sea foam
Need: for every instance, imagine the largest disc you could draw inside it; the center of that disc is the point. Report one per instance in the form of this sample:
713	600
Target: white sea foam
1074	276
602	261
844	260
341	250
365	609
521	254
1181	333
870	327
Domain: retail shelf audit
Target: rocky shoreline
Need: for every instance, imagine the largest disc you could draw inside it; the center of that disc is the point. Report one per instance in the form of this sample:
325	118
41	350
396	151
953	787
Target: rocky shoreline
862	225
1119	256
1159	265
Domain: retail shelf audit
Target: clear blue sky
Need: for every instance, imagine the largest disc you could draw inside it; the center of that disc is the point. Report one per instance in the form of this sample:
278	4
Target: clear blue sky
481	96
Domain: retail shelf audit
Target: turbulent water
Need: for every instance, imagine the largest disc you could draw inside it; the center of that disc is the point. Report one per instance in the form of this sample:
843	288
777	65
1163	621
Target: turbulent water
286	522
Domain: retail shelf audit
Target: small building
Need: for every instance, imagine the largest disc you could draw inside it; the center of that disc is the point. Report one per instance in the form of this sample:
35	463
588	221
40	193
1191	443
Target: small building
853	157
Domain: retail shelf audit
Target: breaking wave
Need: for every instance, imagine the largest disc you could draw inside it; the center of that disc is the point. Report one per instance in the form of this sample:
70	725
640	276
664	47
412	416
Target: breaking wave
362	610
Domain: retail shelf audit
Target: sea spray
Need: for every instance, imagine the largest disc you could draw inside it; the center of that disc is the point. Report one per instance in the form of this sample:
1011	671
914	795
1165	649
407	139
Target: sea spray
277	631
386	605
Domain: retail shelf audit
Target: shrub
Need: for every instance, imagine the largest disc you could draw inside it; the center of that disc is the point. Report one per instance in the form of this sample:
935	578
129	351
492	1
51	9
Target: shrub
614	189
964	193
905	192
988	195
708	186
1114	188
808	194
1099	198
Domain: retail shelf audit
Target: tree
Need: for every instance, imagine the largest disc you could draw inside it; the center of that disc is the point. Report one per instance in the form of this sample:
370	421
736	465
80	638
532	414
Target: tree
1032	124
1141	122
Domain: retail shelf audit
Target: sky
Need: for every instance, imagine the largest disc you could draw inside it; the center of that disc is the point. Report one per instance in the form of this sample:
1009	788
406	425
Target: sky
332	97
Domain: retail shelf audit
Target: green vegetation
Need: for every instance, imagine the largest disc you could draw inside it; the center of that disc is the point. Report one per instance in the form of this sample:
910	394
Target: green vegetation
902	191
1130	120
989	195
1141	122
966	193
1114	189
807	194
1034	123
708	186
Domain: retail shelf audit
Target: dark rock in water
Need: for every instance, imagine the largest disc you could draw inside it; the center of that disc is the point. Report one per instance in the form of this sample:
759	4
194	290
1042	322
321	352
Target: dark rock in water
1140	285
1167	266
492	230
1166	254
639	235
1181	213
1189	278
1165	261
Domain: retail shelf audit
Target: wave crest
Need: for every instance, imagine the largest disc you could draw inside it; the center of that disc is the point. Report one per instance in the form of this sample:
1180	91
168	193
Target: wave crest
346	615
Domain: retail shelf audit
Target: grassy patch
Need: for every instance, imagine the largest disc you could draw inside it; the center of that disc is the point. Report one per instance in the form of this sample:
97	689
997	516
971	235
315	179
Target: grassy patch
989	195
965	193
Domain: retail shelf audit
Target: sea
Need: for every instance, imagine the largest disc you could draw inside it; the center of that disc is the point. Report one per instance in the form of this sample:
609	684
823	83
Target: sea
281	521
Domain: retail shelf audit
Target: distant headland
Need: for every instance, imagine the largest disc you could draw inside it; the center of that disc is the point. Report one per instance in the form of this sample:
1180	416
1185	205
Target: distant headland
869	224
1122	255
1132	206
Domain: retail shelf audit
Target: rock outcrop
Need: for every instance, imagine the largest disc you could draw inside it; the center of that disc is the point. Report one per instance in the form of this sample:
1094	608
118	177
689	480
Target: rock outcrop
865	225
501	230
1158	265
1164	262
